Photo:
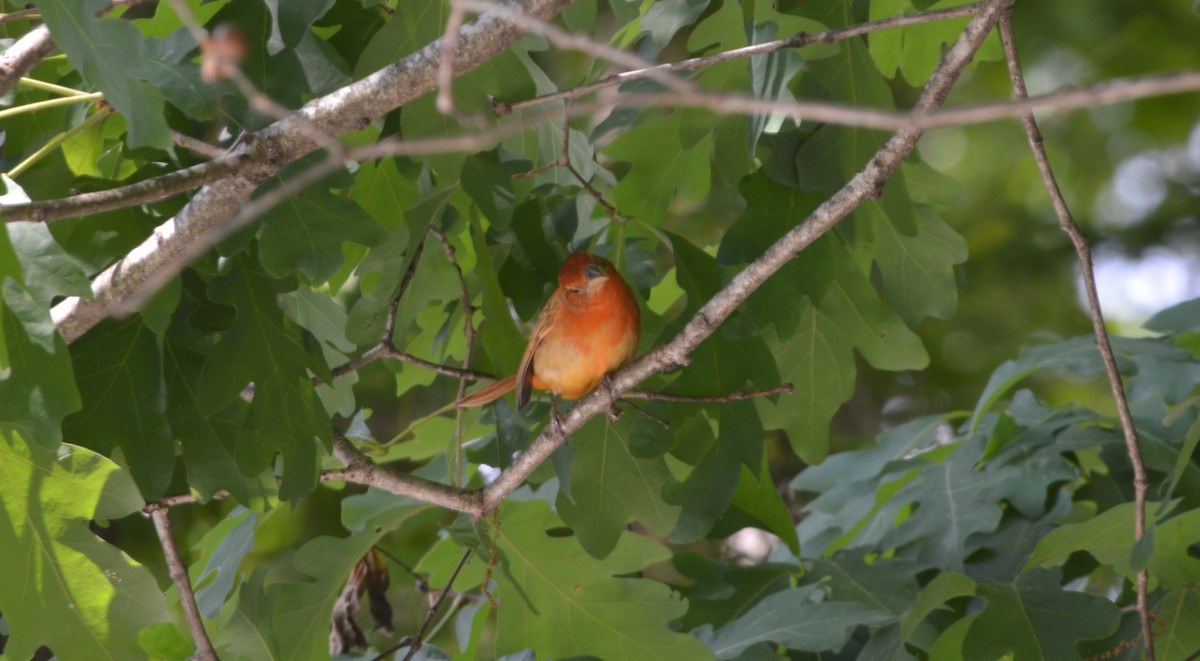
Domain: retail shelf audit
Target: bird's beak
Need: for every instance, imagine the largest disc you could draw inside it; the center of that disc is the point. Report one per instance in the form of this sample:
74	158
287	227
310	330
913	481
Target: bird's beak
596	283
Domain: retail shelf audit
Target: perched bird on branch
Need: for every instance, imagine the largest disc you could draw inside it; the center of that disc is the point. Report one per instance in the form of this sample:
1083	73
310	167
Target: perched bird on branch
588	329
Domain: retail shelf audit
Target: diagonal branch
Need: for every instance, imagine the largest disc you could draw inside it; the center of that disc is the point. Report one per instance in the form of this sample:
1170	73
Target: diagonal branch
1084	254
179	574
677	351
361	470
163	254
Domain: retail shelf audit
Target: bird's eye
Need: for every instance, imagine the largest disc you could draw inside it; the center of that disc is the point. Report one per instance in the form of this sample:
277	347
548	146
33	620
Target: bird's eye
575	290
593	272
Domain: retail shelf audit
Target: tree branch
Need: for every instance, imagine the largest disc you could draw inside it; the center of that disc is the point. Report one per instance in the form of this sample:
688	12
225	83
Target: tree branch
1084	255
143	192
347	109
361	470
799	40
677	351
18	59
179	574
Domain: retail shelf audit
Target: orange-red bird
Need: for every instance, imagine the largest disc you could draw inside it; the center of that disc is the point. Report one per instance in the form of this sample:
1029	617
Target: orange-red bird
588	328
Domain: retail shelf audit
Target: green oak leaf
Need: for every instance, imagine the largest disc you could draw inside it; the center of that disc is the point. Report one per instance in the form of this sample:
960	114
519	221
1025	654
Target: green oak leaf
1078	354
819	359
291	21
756	502
265	347
488	180
549	586
222	549
382	271
793	619
945	586
106	51
954	501
1035	619
610	487
501	76
1108	537
1178	318
918	271
386	189
719	365
847	483
63	587
916	50
119	369
412	27
209	440
1181	638
669	156
888	585
37	386
306	233
719	592
289	619
46	269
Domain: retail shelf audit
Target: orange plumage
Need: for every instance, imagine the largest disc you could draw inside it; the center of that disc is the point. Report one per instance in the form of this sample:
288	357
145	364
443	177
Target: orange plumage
588	328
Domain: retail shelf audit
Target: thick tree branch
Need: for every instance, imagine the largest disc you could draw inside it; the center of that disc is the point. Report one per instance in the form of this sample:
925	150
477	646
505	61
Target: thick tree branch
677	351
179	574
347	109
18	59
1084	254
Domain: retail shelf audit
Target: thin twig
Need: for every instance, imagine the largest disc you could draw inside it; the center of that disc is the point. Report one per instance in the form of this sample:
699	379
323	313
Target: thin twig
799	40
168	502
468	309
445	72
143	192
179	574
469	334
151	190
361	470
196	146
24	14
1084	255
385	553
734	396
444	370
581	43
416	643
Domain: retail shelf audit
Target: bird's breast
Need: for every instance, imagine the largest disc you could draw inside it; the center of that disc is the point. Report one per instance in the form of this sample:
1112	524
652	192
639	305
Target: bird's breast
589	341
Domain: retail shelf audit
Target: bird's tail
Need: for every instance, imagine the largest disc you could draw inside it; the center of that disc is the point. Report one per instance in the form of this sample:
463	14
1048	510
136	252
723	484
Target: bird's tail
488	394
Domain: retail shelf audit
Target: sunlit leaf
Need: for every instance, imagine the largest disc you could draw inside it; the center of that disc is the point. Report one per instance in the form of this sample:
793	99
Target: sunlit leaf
64	587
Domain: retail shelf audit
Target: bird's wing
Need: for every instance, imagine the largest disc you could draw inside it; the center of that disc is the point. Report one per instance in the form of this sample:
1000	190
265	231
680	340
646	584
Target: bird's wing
545	323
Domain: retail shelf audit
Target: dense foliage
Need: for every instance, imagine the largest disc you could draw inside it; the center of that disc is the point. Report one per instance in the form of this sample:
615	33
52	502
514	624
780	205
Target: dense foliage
945	479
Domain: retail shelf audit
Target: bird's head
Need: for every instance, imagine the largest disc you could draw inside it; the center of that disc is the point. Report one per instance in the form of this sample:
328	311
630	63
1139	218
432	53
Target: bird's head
584	272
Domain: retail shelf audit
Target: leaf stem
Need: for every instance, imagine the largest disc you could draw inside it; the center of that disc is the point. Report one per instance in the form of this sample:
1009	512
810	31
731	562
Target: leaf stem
58	140
51	103
49	87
